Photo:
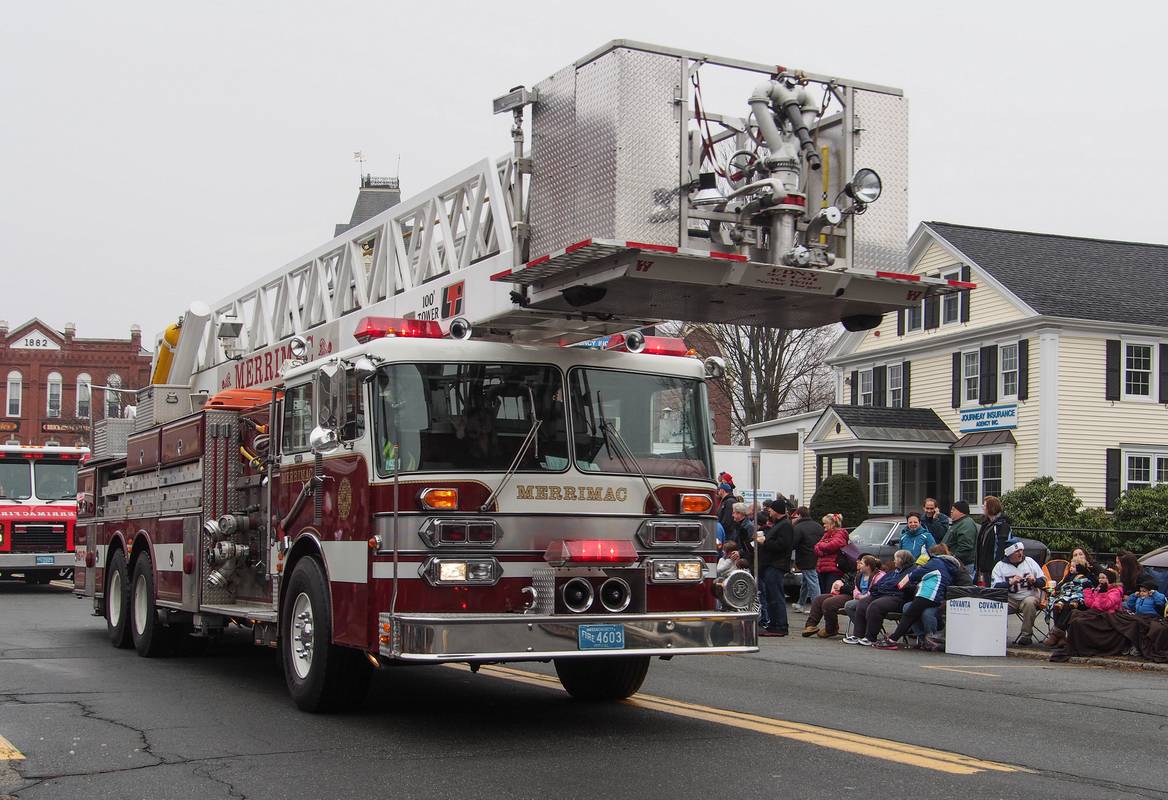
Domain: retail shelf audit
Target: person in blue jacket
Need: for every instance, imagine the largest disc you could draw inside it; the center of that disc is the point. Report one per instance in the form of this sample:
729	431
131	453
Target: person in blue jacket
932	579
1147	600
916	537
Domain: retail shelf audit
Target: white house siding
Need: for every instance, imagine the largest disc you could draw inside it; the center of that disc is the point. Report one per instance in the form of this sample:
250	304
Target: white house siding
988	306
1089	424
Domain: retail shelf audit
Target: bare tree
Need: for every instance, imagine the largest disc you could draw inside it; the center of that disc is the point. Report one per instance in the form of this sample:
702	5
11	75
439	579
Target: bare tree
770	372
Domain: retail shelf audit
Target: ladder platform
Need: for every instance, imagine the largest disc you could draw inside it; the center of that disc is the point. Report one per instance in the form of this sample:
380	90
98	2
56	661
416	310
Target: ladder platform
635	281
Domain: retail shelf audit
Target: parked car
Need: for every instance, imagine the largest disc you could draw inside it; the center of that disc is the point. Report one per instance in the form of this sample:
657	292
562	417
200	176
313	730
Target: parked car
880	536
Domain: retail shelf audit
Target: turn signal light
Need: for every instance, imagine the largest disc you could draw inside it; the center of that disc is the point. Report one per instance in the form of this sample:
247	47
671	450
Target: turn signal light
439	499
668	570
654	345
590	551
380	327
696	504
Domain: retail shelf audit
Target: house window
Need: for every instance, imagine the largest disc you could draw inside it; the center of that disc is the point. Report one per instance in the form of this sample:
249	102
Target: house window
991	474
83	395
970	365
914	317
981	474
895	386
1145	469
15	386
880	485
967	479
866	387
951	303
113	399
1137	370
54	394
1008	366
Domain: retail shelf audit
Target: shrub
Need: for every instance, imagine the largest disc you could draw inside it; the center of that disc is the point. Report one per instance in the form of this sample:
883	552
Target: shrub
840	494
1042	503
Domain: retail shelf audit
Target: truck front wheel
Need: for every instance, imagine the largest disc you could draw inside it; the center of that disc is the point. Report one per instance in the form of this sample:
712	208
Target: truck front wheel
320	675
607	678
117	601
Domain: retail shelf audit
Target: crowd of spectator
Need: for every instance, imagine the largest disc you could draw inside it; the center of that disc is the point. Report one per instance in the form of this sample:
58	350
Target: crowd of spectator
1090	608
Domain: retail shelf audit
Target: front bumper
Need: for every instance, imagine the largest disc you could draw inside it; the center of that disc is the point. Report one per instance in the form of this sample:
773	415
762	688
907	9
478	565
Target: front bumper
435	638
17	561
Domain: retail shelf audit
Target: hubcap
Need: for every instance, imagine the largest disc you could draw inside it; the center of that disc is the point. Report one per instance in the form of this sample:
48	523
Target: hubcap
140	606
302	635
115	599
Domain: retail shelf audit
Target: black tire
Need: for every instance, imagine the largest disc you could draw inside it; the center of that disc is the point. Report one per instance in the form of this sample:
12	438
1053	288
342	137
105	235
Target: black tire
146	631
321	676
117	600
604	678
38	578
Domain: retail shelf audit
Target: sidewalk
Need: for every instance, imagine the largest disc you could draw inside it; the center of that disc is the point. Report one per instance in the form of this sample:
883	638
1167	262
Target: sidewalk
1034	652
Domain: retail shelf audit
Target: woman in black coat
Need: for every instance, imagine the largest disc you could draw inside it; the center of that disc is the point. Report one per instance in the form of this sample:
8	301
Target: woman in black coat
991	539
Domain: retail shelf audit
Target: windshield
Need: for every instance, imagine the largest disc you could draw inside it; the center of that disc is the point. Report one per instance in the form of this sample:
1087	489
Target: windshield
871	533
662	419
15	480
469	417
56	481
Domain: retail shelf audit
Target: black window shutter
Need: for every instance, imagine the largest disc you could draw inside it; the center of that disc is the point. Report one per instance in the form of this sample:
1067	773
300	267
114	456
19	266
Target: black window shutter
1164	373
932	312
1113	467
880	386
965	276
1023	369
900	322
855	387
988	376
818	471
1113	360
957	380
904	385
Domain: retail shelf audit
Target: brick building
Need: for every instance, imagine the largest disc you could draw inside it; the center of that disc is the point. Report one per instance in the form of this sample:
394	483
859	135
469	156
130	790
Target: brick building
47	378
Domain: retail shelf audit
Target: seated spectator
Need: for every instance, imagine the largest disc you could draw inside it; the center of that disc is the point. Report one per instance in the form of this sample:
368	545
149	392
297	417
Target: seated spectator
1131	571
916	537
844	593
885	597
1068	594
1103	629
932	580
1147	600
1021	575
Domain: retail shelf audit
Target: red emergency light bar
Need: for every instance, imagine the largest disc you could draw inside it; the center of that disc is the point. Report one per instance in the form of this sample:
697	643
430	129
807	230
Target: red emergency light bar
380	327
562	552
654	345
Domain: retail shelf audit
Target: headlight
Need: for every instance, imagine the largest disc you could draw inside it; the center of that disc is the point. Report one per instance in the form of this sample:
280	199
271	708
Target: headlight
672	570
452	571
865	187
461	571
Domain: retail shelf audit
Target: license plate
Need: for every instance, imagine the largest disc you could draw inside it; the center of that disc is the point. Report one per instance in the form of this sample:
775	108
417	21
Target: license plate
50	560
602	637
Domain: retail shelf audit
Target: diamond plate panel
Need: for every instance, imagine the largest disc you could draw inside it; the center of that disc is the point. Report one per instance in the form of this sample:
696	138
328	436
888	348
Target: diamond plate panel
595	185
881	234
553	145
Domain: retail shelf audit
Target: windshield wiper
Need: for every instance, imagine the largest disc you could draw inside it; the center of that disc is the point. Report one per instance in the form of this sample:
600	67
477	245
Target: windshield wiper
531	436
621	444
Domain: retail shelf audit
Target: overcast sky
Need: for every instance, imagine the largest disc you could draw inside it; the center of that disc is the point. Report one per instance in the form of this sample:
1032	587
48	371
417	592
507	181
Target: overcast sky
152	154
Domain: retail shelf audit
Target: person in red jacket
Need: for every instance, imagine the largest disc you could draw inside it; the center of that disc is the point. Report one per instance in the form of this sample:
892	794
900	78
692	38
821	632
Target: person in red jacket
828	548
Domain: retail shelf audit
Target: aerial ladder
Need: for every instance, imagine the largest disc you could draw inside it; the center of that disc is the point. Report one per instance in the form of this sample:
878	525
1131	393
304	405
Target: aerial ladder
634	203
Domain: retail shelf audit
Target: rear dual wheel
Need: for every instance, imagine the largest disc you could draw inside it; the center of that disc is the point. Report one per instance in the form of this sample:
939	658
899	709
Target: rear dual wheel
146	631
117	600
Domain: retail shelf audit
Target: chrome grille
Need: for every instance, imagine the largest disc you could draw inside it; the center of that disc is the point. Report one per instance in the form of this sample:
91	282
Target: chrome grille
38	538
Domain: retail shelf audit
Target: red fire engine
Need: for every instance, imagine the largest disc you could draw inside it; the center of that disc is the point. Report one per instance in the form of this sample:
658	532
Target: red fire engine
38	509
384	452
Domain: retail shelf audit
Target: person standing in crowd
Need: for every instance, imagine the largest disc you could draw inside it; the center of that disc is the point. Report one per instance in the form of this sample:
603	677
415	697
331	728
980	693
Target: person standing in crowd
827	551
916	537
885	596
991	539
807	533
774	556
763	518
1023	578
935	521
743	531
726	506
962	537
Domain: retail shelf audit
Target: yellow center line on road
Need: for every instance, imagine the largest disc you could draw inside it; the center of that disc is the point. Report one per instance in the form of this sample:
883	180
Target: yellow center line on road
845	741
964	671
8	752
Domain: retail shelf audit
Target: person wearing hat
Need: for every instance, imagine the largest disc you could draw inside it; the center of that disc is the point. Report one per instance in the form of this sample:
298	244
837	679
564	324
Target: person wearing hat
1021	576
962	537
726	506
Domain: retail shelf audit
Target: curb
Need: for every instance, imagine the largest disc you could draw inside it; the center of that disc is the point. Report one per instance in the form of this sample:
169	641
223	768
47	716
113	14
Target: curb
1092	661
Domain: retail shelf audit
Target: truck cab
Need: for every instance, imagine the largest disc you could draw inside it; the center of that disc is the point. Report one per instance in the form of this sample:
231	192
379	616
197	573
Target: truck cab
38	510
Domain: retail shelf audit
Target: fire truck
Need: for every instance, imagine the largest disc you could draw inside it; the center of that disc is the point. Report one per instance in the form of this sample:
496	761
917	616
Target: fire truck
444	436
38	510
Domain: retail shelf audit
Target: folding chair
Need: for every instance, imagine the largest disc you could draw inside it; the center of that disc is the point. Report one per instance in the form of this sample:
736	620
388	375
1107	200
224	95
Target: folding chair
1055	570
1041	619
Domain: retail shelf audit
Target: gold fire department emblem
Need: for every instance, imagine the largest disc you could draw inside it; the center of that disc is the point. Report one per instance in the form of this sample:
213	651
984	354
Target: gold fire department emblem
344	498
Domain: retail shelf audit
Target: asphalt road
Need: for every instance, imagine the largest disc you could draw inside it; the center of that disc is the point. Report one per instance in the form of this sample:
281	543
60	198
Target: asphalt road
804	718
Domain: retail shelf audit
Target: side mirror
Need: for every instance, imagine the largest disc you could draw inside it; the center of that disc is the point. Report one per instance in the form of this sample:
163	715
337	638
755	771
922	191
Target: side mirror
894	541
323	441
